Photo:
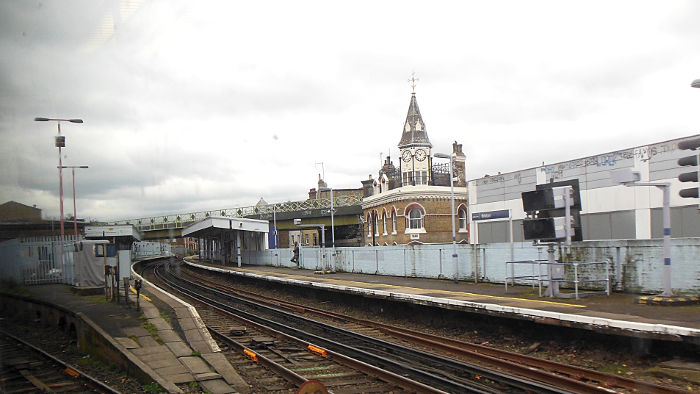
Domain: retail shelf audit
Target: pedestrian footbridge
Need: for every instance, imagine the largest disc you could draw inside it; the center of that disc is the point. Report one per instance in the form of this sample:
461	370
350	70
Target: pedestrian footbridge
347	211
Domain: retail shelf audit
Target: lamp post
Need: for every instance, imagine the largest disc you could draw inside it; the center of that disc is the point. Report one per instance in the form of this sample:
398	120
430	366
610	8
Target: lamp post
60	143
75	213
630	178
332	230
452	199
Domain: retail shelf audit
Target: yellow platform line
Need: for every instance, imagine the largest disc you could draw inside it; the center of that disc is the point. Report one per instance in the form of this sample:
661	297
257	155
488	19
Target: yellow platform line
142	296
450	292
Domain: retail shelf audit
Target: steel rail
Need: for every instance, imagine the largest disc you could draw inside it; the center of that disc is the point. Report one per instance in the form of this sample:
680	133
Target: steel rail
283	371
387	376
375	345
90	380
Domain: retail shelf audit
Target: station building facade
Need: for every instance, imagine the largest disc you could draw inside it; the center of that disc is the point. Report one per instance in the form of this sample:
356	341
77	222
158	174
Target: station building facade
411	203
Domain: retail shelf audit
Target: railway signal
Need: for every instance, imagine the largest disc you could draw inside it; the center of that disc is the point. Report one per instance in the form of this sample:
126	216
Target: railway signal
552	213
693	160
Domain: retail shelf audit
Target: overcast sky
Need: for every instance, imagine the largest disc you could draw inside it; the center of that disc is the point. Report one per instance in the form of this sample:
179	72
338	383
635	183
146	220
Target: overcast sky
198	105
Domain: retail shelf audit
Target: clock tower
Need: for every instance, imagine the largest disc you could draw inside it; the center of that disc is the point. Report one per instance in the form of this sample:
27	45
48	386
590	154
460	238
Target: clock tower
414	147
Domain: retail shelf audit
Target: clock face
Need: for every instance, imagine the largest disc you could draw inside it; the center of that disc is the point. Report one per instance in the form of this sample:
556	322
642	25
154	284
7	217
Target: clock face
421	155
406	156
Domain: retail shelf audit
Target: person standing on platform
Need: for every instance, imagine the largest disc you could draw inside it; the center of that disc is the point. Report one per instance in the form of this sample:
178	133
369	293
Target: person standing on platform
295	257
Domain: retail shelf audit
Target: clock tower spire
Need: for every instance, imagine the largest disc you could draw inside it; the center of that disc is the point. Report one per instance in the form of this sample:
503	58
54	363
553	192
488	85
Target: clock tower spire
414	145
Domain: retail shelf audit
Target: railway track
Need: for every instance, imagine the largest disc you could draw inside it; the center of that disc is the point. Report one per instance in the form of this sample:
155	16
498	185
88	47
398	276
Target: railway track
25	368
433	371
287	361
564	376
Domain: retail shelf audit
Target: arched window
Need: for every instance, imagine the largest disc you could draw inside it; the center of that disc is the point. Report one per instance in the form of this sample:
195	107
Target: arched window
393	221
375	223
369	226
462	219
384	223
415	219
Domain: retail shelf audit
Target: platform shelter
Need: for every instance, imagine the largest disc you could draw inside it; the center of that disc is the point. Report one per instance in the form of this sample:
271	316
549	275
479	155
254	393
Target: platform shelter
224	239
123	236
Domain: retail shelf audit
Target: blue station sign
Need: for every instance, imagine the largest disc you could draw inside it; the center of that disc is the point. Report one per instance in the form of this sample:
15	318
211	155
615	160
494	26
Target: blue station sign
502	214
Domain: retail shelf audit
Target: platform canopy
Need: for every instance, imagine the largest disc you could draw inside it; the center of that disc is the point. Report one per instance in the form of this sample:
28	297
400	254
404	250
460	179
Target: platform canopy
122	231
215	225
227	239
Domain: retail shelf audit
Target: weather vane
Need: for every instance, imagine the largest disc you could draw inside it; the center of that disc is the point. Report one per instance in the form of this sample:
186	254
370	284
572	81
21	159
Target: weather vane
413	81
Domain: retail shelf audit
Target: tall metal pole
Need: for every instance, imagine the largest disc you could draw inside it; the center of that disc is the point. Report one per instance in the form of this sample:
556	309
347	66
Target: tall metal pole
60	143
332	230
666	189
454	237
60	189
75	214
667	240
274	220
323	247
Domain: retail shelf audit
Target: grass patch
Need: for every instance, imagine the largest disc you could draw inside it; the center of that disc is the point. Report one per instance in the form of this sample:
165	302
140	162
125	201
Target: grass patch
98	299
165	316
152	330
196	353
9	286
95	363
614	368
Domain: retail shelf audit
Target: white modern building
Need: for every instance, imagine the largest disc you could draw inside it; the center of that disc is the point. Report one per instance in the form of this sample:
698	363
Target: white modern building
609	211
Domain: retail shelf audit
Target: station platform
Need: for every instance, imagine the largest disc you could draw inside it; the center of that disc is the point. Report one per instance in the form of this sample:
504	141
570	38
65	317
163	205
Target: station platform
618	314
164	339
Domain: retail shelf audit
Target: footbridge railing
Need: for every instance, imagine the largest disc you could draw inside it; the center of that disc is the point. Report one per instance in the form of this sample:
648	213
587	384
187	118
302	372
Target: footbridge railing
182	220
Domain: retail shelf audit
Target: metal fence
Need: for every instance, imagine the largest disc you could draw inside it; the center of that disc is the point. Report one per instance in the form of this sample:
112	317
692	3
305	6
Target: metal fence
37	260
631	265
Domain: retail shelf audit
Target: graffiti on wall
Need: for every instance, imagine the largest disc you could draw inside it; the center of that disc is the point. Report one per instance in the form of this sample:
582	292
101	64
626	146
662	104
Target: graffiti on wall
606	160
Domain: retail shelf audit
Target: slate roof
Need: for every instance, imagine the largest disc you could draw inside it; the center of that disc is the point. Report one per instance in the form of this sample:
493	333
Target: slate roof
414	133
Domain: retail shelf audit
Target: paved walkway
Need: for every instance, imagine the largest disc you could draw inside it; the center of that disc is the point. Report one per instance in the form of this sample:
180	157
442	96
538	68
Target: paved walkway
149	336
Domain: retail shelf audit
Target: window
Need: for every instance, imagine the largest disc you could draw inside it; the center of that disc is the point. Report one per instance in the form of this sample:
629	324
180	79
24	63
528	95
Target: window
393	222
421	177
384	222
99	250
375	223
415	219
462	219
315	239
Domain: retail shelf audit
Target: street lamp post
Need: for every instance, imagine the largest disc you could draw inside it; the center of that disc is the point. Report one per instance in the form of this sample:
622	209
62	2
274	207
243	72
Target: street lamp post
452	200
75	213
60	143
332	230
630	178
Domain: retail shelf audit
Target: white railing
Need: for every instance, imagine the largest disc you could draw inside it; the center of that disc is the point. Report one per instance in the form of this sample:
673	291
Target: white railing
547	277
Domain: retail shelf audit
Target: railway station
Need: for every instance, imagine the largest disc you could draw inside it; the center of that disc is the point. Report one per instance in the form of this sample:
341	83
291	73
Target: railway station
237	313
370	295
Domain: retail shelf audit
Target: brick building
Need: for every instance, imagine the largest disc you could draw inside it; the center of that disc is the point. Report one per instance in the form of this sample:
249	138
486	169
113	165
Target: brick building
411	204
12	211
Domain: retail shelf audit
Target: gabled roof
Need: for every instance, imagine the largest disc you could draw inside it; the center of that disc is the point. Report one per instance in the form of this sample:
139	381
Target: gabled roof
414	133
